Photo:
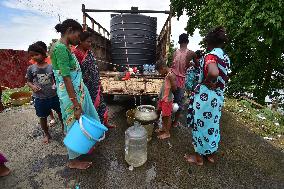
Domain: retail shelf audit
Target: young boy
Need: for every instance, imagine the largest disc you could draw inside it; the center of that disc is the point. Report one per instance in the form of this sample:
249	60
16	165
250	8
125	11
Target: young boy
166	97
43	45
40	80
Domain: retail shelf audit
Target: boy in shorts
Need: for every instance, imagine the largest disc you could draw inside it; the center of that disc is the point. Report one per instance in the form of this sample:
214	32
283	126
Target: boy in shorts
40	79
166	97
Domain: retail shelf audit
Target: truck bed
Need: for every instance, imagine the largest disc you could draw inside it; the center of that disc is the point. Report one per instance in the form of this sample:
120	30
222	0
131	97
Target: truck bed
148	85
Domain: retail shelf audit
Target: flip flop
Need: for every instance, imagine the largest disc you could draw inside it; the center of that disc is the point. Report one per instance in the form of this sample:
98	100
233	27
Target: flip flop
191	159
158	130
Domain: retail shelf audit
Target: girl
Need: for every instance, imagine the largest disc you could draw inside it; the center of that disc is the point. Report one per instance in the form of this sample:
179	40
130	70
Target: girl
205	104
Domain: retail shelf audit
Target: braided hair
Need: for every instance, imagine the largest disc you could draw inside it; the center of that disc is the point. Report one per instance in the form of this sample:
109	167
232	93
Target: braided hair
217	37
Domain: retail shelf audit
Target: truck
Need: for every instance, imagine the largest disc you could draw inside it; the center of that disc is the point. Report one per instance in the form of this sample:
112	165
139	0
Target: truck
131	42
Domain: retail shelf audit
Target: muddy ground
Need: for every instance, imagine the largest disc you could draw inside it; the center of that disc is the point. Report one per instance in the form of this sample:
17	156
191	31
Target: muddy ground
245	159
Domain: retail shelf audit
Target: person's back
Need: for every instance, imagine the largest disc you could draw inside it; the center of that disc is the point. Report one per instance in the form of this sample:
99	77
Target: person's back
181	62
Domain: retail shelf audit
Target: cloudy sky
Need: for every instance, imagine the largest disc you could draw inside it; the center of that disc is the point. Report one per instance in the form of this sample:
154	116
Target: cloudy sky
25	21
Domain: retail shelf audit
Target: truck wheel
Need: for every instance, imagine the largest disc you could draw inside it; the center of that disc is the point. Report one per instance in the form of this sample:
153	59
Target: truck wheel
108	98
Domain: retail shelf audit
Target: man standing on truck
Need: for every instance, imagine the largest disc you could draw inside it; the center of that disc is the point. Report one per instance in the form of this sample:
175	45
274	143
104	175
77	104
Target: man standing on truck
181	62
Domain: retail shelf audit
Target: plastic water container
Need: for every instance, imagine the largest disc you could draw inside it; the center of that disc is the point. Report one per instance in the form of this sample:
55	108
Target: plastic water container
145	69
175	107
136	145
84	134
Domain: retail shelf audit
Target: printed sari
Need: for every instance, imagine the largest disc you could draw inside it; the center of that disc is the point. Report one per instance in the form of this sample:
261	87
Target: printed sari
205	105
91	78
66	104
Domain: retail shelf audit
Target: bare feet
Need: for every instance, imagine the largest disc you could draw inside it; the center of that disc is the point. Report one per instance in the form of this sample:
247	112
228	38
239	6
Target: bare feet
46	139
159	130
164	135
110	126
79	165
211	158
194	159
176	124
4	171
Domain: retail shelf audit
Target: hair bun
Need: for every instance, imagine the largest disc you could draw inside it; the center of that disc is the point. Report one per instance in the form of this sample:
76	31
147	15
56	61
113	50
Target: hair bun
58	27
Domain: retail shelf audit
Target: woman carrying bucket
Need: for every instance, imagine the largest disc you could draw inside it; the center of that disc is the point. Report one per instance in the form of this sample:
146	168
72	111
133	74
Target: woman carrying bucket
72	92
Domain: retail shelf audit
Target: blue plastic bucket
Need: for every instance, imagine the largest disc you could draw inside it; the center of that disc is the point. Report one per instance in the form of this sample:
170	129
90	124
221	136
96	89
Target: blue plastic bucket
84	134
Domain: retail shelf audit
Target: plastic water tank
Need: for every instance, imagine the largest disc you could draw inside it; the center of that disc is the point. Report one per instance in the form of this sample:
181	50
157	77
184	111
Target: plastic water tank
133	39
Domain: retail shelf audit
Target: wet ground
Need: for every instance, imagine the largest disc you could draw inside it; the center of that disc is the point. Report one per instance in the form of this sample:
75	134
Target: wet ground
245	159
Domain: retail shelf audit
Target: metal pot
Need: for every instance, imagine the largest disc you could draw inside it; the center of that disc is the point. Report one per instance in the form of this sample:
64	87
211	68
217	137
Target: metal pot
146	114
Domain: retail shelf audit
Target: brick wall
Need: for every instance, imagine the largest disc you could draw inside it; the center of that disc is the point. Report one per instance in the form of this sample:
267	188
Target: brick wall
13	67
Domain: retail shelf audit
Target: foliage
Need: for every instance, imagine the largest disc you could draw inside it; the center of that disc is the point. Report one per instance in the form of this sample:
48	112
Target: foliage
7	92
262	121
256	32
172	50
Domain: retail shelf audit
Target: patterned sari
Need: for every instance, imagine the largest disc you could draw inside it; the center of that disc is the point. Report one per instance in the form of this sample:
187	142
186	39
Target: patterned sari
205	105
66	104
91	78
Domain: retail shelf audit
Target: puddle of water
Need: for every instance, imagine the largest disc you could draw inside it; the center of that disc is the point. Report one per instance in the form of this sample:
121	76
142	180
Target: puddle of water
151	174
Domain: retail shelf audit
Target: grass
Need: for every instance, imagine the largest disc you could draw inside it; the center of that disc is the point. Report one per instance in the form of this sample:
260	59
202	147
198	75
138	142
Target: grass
264	122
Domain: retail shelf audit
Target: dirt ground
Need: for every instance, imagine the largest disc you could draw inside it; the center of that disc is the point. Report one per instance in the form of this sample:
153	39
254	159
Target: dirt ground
245	159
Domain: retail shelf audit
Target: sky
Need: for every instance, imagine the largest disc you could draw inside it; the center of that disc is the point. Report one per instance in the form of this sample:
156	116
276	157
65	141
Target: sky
23	22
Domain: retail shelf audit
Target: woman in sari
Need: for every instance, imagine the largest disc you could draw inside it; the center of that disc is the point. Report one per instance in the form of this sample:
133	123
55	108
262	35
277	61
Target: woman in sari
73	94
207	100
91	75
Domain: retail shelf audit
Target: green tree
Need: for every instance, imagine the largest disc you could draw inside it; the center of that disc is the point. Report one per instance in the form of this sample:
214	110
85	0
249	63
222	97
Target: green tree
256	32
53	41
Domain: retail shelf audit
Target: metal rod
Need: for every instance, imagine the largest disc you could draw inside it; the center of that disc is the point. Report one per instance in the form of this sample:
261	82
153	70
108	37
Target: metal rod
128	11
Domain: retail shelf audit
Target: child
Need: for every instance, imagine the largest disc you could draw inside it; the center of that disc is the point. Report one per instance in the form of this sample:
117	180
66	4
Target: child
166	97
43	45
40	80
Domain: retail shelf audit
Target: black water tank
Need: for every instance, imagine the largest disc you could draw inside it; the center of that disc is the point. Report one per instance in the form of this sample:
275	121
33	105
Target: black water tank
133	39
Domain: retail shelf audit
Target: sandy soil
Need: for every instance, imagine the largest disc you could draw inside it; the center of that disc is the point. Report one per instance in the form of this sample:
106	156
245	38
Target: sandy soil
245	159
